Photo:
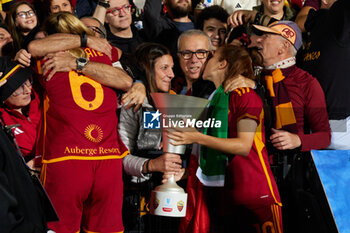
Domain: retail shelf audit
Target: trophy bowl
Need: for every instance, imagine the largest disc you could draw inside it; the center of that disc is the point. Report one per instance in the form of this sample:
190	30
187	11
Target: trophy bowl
177	109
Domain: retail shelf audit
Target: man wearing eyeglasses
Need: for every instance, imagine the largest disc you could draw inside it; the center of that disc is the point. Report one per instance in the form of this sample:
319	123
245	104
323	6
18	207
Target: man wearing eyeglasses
194	47
120	31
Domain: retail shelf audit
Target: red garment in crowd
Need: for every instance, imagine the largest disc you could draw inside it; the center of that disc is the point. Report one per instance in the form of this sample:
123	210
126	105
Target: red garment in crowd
197	218
26	133
249	183
248	179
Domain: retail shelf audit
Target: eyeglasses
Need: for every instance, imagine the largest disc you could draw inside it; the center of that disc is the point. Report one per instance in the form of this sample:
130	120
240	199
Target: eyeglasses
200	54
20	90
97	30
117	10
26	14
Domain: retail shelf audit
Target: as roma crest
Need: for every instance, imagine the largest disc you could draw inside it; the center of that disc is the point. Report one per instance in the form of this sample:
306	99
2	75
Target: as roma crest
180	205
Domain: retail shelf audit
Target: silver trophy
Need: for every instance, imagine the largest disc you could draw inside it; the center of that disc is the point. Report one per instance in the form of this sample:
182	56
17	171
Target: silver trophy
178	111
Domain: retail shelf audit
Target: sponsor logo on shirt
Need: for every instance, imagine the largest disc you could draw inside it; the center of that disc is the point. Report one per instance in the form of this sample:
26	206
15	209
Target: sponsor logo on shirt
93	133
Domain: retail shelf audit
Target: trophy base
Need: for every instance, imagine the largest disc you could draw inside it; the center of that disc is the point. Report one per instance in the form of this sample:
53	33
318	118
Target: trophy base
170	204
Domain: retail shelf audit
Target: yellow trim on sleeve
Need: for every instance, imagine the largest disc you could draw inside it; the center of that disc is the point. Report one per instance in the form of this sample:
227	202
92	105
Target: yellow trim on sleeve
259	147
247	115
276	218
43	174
38	66
238	91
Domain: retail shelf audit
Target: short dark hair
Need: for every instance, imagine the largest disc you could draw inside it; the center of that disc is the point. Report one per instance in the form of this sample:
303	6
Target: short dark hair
215	11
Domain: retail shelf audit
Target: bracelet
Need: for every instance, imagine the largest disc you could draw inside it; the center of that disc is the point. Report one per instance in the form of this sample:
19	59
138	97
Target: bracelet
83	40
147	166
104	4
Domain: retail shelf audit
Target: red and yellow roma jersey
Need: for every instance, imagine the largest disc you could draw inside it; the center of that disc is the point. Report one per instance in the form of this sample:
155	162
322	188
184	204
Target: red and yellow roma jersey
249	180
80	118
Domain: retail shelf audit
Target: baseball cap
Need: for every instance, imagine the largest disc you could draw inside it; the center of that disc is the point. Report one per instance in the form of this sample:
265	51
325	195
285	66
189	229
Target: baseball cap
286	29
15	76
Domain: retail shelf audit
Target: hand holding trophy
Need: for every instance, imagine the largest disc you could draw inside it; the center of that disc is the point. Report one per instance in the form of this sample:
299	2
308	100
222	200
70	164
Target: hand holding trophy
169	199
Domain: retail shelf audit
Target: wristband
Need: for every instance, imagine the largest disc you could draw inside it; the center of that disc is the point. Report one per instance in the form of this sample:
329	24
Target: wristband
83	40
104	4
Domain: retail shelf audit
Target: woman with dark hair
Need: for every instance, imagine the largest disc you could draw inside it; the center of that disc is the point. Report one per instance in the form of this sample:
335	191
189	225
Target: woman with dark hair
23	24
55	6
145	145
234	156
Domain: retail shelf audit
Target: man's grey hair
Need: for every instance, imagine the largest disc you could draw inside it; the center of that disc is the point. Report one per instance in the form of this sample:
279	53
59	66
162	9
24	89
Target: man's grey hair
193	32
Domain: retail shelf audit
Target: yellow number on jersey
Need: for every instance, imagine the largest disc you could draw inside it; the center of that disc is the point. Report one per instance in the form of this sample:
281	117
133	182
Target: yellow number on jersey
76	81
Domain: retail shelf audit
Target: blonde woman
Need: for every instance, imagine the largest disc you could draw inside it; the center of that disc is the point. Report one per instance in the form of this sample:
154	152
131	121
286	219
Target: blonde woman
82	152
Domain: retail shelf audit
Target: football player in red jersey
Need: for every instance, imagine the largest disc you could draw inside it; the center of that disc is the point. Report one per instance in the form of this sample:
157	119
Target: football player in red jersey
249	199
82	152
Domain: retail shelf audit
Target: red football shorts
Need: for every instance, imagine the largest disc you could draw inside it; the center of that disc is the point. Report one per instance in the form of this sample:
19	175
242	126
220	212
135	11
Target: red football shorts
87	194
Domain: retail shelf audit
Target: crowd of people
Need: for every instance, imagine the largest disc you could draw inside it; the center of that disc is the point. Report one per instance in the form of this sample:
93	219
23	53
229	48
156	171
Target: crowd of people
76	80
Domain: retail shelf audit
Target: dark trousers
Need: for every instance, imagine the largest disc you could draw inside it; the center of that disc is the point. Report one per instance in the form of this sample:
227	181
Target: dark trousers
305	207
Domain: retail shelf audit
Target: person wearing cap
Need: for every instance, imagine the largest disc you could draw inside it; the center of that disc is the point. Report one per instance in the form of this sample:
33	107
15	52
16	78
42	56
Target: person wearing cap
299	120
303	94
24	206
20	107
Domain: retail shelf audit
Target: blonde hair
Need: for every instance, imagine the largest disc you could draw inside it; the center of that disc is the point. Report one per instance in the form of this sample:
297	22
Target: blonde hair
65	22
78	52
